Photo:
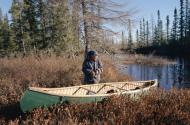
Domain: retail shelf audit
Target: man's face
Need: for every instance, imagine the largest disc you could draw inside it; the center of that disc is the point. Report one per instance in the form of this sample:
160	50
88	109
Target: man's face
93	58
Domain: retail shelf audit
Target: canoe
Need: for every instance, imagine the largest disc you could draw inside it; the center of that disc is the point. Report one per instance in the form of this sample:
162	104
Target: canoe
35	97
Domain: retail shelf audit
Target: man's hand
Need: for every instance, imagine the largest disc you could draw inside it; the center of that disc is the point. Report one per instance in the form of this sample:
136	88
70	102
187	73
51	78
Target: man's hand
92	73
98	71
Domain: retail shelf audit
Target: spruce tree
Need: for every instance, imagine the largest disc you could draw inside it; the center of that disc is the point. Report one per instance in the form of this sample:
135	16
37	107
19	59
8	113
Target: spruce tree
147	33
141	34
30	24
122	40
161	32
175	26
16	25
1	14
76	21
186	16
182	20
159	29
130	39
19	26
152	28
144	32
6	43
42	15
137	38
1	30
64	35
188	25
167	28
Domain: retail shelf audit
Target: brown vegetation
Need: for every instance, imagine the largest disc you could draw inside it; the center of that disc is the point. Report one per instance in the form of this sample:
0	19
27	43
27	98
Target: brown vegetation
149	60
17	74
159	107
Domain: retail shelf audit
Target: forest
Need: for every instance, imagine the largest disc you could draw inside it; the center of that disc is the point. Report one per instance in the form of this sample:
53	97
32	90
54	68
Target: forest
171	38
58	26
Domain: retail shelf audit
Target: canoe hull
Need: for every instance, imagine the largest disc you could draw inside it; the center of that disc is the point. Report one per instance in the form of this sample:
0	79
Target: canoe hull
33	99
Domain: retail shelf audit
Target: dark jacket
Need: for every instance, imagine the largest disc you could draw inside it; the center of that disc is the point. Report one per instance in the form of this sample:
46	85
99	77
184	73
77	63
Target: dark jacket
89	67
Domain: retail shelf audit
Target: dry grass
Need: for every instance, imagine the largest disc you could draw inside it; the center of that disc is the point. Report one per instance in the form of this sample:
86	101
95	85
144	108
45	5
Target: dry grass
149	60
17	74
159	108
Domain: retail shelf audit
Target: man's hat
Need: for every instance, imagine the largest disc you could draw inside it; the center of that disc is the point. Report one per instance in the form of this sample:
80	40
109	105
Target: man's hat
92	53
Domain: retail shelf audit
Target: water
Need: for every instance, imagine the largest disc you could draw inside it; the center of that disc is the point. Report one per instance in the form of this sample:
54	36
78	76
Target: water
169	76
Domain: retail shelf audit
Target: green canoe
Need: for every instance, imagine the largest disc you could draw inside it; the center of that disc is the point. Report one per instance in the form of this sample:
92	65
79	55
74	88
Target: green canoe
44	97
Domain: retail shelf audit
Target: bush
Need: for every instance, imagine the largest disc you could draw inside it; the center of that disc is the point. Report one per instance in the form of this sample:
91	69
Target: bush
158	108
17	74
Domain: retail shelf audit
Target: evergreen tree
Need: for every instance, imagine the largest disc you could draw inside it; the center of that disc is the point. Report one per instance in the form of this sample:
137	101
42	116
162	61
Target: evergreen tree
19	24
188	23
42	15
137	38
1	14
182	20
159	29
1	30
130	39
167	28
147	33
175	26
161	32
186	16
76	20
16	36
6	43
141	34
144	32
64	35
57	24
30	23
156	36
122	40
152	28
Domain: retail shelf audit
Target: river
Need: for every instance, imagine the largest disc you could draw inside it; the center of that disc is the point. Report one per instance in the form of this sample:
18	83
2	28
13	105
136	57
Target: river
169	76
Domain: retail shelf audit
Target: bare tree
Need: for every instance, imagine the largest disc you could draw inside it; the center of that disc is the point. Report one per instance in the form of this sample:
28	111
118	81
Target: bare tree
104	11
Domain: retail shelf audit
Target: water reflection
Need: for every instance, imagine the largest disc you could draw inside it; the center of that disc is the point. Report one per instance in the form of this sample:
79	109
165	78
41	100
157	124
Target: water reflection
169	76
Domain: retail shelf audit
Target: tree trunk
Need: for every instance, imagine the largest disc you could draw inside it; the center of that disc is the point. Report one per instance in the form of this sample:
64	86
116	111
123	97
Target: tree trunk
85	23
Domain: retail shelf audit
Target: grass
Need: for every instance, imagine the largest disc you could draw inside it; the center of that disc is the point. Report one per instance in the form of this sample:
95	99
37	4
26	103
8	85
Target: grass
149	60
17	74
158	108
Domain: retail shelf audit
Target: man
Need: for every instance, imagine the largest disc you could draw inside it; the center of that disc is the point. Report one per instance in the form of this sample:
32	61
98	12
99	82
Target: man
92	68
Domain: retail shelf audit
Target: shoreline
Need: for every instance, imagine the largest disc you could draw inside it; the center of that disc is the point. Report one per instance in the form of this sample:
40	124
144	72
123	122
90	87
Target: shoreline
149	60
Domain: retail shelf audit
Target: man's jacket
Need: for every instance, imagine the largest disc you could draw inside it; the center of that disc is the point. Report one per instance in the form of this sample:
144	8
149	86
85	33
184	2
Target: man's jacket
92	71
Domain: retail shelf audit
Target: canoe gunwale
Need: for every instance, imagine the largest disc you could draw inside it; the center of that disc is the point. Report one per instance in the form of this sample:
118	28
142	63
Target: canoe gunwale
97	95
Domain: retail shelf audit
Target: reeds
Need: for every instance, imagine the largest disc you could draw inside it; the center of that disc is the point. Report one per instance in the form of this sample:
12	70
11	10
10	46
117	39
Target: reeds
17	74
149	60
158	108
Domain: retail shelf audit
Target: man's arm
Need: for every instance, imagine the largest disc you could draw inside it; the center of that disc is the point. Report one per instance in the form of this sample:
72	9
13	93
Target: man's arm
100	67
87	69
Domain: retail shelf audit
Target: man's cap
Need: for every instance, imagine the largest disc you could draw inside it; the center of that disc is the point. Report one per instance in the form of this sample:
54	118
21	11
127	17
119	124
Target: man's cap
92	53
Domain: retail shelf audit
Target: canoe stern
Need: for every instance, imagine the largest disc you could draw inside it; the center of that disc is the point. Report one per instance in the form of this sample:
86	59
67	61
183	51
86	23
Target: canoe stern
32	99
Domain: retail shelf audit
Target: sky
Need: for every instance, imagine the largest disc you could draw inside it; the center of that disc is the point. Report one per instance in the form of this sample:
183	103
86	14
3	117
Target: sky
144	9
5	5
147	8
